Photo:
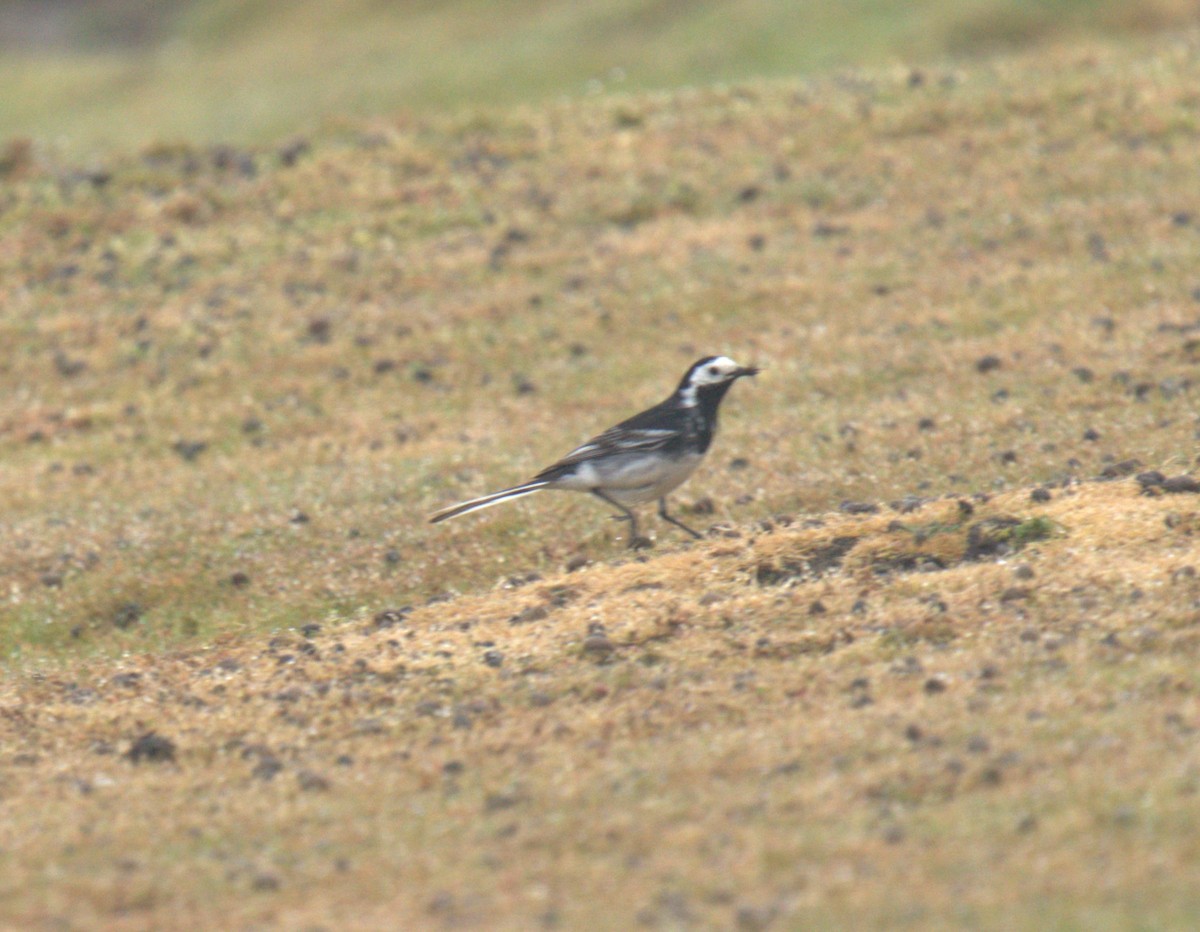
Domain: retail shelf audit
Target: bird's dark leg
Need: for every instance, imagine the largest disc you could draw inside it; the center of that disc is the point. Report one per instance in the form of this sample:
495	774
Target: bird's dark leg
662	513
636	542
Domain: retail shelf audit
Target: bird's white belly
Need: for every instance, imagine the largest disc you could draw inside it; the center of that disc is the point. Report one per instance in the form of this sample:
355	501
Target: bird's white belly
632	480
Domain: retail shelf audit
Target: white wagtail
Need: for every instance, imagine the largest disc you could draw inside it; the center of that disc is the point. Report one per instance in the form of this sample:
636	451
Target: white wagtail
641	459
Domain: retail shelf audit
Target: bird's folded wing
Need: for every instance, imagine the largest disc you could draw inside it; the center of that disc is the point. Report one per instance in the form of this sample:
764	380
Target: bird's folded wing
618	440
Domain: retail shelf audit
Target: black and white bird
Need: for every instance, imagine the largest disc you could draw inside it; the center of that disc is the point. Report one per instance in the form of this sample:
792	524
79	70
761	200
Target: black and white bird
642	459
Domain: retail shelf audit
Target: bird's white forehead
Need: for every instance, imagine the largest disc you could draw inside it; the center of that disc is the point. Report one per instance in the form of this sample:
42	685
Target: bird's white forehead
715	370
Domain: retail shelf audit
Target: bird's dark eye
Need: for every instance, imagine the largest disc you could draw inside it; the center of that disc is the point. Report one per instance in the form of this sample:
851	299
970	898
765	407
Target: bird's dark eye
713	370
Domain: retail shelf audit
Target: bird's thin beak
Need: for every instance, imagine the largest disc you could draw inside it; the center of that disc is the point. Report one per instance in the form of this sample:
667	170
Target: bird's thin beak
747	370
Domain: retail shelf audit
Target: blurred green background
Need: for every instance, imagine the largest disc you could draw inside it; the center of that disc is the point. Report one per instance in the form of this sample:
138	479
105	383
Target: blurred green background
82	76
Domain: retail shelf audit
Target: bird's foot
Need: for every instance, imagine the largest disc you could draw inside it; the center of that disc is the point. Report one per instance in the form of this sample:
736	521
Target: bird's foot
640	543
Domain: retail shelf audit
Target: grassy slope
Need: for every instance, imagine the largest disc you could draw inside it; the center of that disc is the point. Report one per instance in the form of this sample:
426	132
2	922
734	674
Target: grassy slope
346	333
249	71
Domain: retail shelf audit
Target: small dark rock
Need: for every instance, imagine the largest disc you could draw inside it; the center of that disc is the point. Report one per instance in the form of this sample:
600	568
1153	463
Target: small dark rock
151	748
239	580
1178	484
858	508
934	685
1091	435
127	615
988	363
1120	470
754	918
227	158
991	776
298	517
292	152
738	463
817	608
310	630
189	449
1151	479
498	802
51	580
577	562
67	367
598	646
311	782
267	768
989	537
265	883
926	423
1040	495
493	658
1084	374
320	329
823	229
391	617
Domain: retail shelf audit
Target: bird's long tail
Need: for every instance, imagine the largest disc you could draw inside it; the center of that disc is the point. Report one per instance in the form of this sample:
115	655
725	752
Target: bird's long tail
487	501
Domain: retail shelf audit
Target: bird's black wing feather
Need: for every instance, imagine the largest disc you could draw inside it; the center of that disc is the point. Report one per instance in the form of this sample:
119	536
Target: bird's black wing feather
650	431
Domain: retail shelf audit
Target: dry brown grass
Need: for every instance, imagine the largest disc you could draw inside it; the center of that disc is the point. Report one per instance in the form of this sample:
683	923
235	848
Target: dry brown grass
687	739
949	739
